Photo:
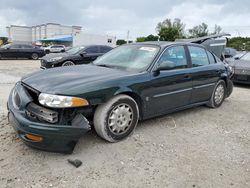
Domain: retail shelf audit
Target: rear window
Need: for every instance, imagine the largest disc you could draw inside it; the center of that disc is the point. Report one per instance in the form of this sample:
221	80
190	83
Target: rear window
198	56
211	58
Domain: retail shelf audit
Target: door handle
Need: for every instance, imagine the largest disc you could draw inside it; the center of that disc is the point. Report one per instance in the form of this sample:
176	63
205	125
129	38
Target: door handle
187	76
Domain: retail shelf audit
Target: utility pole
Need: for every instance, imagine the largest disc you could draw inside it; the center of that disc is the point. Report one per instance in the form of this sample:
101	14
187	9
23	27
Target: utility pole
128	37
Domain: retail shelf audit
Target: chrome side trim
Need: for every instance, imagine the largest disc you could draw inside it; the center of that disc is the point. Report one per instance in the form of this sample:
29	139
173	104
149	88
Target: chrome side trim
202	86
171	93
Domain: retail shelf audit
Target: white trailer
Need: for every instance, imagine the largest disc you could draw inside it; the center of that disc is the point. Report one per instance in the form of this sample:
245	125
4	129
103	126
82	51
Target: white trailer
93	39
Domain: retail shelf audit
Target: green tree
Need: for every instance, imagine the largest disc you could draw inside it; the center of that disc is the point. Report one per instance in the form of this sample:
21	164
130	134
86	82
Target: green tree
120	42
198	31
148	38
169	30
140	39
3	40
239	43
217	29
152	38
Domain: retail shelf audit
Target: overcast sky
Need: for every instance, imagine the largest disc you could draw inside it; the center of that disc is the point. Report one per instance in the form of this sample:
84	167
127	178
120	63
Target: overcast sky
116	17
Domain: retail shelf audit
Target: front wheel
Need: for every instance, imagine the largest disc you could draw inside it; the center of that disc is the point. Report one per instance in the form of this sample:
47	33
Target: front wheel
116	119
218	96
68	63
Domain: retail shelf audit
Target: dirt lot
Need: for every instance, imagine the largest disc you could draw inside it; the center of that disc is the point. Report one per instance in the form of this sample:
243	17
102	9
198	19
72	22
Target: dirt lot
199	147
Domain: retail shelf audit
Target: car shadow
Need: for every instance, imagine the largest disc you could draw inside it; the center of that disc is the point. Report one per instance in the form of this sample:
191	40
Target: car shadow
244	86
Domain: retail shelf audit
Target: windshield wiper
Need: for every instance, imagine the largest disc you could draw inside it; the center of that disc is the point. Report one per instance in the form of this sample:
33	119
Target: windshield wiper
104	65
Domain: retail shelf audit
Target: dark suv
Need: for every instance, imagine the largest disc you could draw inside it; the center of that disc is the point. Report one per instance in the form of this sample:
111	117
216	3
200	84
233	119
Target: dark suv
21	51
74	56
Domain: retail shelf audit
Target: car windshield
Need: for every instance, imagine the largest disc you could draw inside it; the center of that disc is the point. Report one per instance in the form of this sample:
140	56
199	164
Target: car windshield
246	57
75	50
129	57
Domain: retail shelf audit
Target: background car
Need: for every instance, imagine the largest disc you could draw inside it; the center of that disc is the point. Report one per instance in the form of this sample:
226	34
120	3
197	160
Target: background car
54	49
74	56
21	51
229	52
241	68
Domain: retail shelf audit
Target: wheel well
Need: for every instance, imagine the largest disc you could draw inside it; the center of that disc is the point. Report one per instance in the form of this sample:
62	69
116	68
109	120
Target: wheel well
138	100
225	80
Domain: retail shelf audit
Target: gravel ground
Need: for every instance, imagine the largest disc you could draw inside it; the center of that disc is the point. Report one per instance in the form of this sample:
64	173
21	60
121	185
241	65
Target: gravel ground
199	147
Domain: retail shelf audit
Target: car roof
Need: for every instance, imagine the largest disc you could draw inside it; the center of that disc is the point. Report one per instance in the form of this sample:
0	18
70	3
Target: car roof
163	44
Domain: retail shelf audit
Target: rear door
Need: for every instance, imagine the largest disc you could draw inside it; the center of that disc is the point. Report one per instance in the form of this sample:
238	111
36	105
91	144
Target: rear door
205	73
26	50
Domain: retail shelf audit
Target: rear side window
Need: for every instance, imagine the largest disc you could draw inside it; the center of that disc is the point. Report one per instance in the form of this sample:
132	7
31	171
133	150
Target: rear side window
176	55
211	58
26	46
198	56
93	49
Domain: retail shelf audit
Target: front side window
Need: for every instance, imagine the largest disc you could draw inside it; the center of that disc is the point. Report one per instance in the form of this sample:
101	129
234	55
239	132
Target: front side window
129	57
176	55
198	56
105	49
92	50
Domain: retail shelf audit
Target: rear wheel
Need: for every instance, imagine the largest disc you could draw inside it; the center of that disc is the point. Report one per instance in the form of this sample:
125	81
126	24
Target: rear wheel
68	63
218	95
34	56
116	119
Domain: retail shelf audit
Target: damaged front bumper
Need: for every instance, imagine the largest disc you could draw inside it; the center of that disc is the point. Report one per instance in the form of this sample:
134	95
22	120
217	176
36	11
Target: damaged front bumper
29	121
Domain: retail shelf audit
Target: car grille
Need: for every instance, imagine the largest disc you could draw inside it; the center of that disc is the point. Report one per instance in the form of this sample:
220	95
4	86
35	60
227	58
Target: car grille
240	77
35	111
242	71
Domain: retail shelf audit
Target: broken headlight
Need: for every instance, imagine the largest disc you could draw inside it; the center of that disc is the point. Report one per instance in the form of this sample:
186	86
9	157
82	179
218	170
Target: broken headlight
58	101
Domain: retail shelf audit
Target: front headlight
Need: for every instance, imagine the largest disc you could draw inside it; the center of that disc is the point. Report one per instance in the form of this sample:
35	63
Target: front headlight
58	101
55	59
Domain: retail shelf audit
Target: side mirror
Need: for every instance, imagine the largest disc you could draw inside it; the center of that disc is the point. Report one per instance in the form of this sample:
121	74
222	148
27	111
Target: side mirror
7	48
166	65
236	58
83	54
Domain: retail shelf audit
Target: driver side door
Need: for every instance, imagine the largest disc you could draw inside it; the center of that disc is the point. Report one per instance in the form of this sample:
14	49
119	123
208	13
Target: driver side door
170	89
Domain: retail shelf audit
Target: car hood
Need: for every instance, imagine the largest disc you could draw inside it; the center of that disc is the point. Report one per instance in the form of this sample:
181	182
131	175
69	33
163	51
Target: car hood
53	55
241	64
72	80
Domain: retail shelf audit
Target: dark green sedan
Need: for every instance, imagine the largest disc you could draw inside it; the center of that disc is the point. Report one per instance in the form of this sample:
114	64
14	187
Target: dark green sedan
52	109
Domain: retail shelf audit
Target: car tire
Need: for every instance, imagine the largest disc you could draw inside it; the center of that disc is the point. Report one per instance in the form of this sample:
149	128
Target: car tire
116	119
34	56
47	51
0	56
218	96
68	63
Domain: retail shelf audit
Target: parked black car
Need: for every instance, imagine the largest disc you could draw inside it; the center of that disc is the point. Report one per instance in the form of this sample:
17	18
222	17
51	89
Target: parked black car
51	109
74	56
21	51
241	68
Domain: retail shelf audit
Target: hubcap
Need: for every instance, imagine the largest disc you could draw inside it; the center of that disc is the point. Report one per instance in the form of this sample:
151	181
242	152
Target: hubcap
68	63
120	119
34	56
219	94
